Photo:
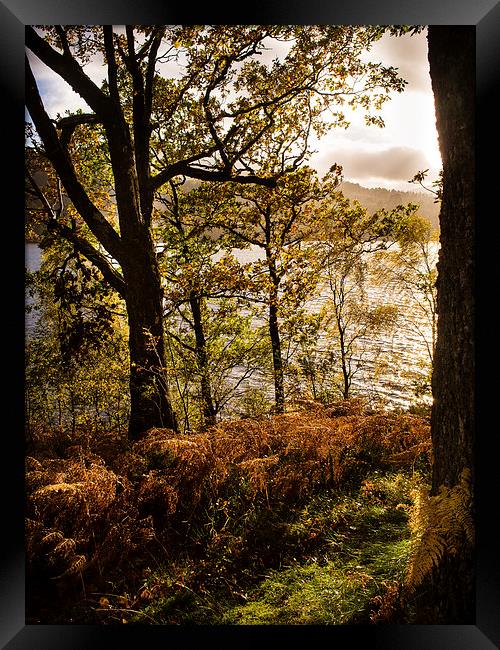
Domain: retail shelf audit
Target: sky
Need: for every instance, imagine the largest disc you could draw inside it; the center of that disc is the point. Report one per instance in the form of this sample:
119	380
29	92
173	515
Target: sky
389	157
385	157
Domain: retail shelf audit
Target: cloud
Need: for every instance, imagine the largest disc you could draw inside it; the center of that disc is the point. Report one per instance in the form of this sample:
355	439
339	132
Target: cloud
409	55
57	95
389	156
394	164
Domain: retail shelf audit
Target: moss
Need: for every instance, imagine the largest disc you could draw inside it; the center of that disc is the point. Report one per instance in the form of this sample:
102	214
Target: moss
363	546
184	607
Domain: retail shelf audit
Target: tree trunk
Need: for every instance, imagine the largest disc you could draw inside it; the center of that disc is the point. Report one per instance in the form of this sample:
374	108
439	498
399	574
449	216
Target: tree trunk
150	404
452	70
208	408
274	333
149	395
346	379
338	304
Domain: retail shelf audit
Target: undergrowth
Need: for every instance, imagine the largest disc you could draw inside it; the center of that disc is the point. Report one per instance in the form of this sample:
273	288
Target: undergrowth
299	518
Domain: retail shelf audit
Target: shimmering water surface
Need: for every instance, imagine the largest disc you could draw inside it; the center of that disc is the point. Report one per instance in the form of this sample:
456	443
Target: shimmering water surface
401	350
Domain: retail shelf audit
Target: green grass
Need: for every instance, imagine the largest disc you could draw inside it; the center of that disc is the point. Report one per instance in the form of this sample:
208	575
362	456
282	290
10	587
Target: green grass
320	563
303	595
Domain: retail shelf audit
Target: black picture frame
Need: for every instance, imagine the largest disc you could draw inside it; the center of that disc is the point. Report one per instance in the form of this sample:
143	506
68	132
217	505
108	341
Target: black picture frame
484	16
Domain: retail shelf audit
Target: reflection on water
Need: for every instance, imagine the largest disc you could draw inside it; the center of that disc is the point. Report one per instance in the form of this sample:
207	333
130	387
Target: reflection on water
388	361
32	261
399	351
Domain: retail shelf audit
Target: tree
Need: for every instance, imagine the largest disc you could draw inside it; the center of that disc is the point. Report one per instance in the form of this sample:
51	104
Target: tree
351	235
353	319
279	222
414	270
452	70
451	57
408	271
226	100
185	220
204	291
76	353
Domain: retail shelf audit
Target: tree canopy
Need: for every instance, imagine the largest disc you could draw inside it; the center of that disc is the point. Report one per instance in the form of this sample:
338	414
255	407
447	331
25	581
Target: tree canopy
203	102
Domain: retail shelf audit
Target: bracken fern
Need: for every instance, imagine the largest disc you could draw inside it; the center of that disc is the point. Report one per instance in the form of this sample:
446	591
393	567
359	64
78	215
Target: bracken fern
440	524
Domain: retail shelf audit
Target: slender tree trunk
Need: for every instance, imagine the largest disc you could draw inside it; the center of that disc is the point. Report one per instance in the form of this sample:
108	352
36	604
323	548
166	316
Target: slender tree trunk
118	415
346	380
338	302
313	385
452	70
274	333
208	407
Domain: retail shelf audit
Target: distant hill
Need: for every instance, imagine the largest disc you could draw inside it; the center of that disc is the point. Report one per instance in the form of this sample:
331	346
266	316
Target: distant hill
374	199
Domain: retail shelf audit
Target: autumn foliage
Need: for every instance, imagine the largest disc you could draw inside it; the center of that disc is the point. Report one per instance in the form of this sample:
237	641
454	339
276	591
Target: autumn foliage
99	511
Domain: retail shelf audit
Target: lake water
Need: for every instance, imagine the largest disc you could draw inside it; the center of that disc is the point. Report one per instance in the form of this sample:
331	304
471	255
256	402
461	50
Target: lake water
32	261
401	350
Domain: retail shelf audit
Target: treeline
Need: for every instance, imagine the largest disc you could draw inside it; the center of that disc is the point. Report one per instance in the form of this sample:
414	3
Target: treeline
375	198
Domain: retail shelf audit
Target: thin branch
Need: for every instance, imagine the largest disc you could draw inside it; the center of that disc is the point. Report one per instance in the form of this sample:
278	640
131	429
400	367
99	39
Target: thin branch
183	168
68	124
62	164
82	245
181	342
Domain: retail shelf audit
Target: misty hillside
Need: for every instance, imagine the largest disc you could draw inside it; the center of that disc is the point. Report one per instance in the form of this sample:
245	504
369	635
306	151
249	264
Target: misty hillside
374	199
377	198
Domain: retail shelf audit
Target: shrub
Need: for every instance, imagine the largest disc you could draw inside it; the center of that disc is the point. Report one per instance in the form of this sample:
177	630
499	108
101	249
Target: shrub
223	497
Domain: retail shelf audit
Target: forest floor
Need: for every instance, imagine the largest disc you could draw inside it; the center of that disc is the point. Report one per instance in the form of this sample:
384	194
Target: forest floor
301	518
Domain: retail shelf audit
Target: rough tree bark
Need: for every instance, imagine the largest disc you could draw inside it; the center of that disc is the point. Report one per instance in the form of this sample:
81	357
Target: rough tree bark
452	71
